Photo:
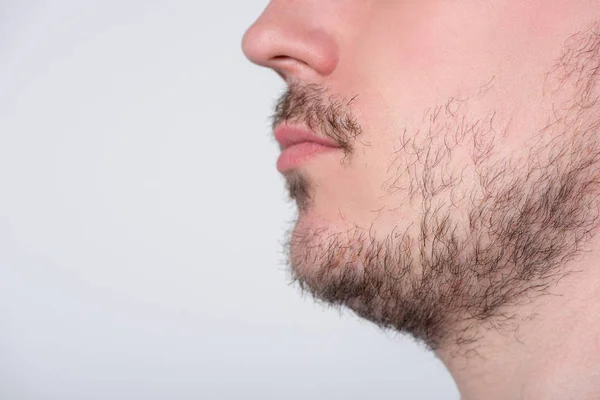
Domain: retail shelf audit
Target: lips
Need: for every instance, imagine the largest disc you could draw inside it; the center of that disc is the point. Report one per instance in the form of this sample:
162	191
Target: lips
288	136
299	145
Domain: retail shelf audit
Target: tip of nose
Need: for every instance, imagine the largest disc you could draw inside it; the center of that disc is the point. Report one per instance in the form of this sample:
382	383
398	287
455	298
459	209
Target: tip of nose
250	45
290	49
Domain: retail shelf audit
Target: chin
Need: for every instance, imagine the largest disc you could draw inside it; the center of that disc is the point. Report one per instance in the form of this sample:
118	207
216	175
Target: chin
374	278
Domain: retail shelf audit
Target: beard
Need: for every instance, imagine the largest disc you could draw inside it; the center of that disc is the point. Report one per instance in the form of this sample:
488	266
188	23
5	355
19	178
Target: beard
477	250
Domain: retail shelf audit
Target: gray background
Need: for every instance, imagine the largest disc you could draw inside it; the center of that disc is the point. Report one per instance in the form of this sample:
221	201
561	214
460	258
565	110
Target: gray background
141	219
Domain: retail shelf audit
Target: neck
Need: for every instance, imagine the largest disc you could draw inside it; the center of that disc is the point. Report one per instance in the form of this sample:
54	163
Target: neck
553	352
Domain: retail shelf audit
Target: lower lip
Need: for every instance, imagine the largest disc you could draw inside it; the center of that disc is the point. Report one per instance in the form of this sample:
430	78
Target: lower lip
299	153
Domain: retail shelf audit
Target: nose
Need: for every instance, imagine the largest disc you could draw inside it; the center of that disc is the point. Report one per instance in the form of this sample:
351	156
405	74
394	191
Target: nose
287	38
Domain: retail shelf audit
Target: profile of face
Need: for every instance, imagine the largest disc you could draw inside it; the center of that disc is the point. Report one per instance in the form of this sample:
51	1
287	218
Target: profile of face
467	169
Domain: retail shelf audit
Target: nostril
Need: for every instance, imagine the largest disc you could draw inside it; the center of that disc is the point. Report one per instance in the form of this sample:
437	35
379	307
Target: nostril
278	65
284	59
286	66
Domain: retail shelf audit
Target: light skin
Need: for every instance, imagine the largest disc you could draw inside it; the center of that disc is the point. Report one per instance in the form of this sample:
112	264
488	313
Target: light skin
462	207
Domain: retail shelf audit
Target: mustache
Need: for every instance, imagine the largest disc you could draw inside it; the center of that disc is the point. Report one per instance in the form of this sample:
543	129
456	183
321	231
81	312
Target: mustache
309	105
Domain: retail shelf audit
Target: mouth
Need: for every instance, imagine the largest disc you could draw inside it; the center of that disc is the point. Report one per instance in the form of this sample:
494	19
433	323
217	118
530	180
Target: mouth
299	145
295	155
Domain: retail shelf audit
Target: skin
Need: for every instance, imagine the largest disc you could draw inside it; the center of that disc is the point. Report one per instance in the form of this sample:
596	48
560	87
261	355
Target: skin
462	207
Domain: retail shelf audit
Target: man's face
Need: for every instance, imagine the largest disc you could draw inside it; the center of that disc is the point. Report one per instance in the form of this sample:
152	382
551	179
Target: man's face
468	169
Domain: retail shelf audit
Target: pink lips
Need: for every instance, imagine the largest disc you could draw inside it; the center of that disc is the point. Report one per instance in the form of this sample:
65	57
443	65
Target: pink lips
299	145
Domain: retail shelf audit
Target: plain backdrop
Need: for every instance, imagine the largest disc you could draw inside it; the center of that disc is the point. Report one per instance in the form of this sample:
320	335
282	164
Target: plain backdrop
142	219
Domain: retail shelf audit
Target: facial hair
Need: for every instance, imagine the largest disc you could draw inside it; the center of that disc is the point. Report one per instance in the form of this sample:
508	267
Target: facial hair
456	271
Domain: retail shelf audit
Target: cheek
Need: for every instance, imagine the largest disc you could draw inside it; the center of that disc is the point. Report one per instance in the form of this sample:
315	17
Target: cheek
396	39
424	52
416	56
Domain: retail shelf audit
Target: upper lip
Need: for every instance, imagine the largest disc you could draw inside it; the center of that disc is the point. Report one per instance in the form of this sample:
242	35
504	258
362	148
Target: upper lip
288	136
